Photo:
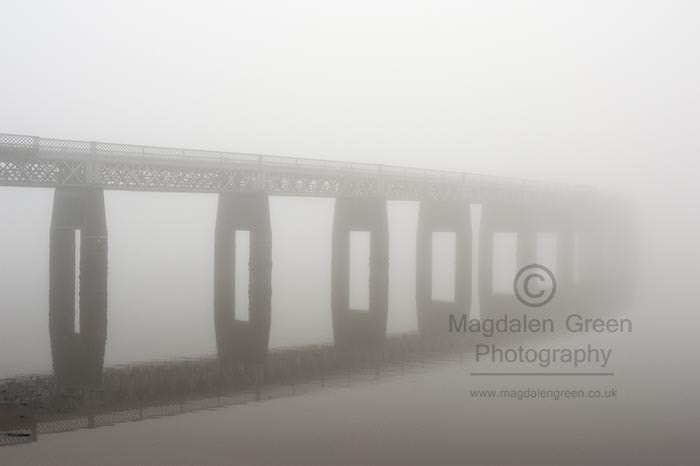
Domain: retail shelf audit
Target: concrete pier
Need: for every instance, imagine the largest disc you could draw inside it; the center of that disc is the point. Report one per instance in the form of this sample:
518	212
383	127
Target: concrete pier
78	356
559	221
355	329
607	255
436	216
503	218
240	341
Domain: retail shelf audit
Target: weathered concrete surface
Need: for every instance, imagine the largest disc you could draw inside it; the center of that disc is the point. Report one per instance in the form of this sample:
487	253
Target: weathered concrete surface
357	330
237	340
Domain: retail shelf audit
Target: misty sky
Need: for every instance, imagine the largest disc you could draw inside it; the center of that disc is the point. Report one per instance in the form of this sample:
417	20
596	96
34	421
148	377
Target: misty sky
578	91
603	93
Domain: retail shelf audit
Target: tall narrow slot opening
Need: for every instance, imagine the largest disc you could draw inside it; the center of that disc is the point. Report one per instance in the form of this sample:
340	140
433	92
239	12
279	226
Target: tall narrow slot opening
444	263
76	284
242	275
359	270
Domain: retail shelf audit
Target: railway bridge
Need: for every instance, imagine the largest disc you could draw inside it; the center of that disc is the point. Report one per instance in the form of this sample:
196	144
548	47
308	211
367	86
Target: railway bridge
594	250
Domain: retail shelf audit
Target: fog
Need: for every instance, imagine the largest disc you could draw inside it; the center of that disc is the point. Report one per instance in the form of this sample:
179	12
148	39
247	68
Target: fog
598	93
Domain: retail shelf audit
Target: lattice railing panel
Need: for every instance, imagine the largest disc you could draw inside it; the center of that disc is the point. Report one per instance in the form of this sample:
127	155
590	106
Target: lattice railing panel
33	161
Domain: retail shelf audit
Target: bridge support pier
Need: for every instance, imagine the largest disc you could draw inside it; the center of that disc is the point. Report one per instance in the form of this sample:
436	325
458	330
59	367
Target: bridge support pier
435	216
560	221
566	286
627	241
78	357
240	341
352	328
527	223
607	256
503	218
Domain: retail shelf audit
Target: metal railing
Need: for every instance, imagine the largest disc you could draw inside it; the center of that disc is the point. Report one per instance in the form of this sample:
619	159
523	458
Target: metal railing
34	161
38	146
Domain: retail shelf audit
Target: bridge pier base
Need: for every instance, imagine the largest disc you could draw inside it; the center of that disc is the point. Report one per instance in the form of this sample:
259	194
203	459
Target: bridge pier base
78	357
455	217
240	341
356	329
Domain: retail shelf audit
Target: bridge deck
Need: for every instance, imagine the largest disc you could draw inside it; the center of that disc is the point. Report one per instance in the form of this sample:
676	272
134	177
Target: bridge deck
31	161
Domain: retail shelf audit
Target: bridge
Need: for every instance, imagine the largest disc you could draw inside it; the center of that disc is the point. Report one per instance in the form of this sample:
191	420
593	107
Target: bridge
594	230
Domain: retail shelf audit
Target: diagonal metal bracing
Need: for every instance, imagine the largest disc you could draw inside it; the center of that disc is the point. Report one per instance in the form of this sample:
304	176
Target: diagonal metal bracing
34	161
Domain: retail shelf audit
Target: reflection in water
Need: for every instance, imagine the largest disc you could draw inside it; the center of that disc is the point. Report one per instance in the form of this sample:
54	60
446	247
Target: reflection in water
139	392
422	412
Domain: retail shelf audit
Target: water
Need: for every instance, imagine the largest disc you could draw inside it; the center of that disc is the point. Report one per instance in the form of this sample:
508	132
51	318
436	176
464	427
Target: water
423	415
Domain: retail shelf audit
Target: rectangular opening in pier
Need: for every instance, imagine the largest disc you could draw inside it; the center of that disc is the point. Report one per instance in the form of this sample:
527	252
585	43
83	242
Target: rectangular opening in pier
505	260
358	295
444	265
547	253
241	275
76	283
